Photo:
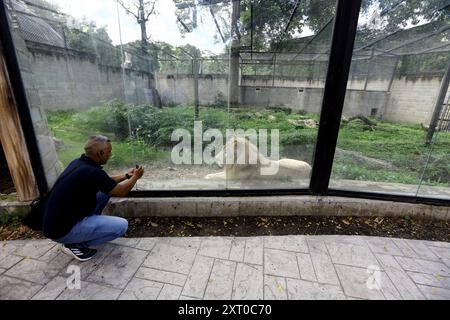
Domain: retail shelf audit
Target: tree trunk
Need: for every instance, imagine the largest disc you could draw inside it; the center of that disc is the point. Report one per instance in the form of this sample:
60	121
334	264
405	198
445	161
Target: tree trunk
233	85
142	22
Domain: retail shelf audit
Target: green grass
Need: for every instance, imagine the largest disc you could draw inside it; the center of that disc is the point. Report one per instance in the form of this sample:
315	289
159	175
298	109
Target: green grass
399	144
73	129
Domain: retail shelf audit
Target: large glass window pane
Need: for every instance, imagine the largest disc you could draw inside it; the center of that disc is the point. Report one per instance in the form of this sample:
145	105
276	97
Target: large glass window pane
257	79
172	83
283	68
397	72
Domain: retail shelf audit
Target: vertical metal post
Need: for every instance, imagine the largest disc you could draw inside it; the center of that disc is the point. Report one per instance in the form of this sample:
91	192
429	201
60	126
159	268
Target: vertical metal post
195	71
273	71
64	37
397	60
368	68
342	42
438	106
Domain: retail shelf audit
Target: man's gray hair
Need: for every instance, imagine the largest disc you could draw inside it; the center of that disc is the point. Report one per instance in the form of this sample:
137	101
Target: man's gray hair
95	144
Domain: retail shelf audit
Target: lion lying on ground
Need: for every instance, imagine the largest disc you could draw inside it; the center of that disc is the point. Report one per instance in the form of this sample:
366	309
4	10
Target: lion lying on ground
255	165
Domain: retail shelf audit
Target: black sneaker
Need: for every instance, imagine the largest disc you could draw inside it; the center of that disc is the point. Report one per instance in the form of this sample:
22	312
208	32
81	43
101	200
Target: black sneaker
79	253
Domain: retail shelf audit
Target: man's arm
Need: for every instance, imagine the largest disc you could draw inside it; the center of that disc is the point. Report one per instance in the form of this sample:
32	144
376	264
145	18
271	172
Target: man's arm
122	188
121	177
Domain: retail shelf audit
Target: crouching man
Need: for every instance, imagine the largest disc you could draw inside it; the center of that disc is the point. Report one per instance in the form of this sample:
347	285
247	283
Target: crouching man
74	207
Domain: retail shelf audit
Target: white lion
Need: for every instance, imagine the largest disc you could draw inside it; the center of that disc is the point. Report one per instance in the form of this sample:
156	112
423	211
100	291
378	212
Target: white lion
255	165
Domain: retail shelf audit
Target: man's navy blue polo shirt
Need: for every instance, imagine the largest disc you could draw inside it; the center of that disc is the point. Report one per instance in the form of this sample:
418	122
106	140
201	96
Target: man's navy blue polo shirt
75	196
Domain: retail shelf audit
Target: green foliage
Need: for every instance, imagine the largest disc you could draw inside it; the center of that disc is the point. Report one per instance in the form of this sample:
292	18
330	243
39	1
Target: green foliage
9	219
398	144
431	62
95	41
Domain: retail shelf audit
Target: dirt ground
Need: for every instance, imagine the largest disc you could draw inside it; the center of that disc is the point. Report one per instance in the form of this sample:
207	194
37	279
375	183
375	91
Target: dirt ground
423	229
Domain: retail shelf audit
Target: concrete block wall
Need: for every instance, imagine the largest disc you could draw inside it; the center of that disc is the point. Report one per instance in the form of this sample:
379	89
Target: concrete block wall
286	82
67	79
354	82
412	99
310	99
179	89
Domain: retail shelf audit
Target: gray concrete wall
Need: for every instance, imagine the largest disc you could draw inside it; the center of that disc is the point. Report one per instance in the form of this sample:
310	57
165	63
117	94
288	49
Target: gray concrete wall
410	100
179	89
310	99
67	79
354	82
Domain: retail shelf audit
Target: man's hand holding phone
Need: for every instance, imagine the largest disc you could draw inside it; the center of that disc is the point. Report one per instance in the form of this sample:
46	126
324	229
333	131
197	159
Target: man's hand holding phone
138	171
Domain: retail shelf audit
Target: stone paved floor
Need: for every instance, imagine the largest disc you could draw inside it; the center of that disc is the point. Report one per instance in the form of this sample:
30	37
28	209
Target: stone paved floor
281	267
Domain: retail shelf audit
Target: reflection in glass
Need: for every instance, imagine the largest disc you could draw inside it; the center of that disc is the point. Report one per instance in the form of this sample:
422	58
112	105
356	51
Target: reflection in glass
168	81
400	56
172	83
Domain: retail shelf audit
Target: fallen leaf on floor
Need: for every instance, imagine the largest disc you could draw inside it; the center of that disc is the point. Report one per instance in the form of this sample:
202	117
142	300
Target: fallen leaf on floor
379	220
280	288
154	224
346	221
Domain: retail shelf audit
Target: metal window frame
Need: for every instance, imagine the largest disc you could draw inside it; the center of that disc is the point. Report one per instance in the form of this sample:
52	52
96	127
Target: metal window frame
341	51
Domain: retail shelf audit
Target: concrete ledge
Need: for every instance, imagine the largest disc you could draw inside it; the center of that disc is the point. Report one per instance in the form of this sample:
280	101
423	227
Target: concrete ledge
255	206
270	206
16	208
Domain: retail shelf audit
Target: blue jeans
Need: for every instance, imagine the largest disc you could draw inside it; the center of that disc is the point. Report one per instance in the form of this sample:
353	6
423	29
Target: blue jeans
96	229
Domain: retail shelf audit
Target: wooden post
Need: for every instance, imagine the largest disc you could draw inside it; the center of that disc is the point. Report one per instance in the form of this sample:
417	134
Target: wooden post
13	141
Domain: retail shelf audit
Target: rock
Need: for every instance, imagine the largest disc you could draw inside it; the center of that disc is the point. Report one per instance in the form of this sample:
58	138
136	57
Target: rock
308	123
171	169
364	119
367	161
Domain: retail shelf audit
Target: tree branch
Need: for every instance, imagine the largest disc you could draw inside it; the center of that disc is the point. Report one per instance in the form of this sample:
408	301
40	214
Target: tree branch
183	24
127	9
151	11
